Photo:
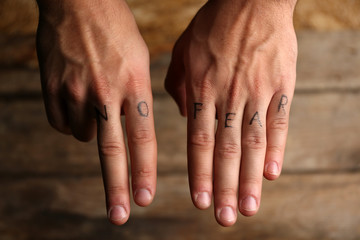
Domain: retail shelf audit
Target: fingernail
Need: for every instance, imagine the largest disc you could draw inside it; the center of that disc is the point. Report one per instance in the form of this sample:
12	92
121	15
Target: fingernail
227	214
249	204
272	168
117	213
143	196
203	200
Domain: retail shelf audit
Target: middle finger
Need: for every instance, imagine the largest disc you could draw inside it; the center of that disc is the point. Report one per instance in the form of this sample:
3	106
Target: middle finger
227	163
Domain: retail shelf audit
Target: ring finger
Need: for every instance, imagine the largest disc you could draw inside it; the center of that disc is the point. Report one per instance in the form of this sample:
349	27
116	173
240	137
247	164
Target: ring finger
253	145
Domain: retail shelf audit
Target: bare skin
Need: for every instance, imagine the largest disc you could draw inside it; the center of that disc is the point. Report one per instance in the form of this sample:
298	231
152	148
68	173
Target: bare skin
94	66
235	61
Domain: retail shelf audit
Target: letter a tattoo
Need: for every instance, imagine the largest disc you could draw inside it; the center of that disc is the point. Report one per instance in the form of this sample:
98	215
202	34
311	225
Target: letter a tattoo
257	118
99	114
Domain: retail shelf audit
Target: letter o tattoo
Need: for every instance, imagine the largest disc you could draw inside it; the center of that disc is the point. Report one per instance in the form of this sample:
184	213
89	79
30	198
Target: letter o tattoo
143	109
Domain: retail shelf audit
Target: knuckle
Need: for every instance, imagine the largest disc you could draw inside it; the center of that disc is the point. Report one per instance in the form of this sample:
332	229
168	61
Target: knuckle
226	191
100	88
74	92
228	150
136	87
83	135
280	124
143	173
51	88
55	123
137	73
275	148
74	96
116	190
202	140
202	177
142	136
204	87
203	83
251	181
109	149
282	82
254	142
256	87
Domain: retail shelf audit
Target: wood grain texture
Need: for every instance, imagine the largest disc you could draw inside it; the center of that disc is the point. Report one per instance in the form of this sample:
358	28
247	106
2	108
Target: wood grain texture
328	61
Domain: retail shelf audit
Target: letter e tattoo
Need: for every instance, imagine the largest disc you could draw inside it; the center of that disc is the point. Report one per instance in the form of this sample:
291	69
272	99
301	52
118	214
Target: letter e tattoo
283	101
143	109
196	109
227	118
256	117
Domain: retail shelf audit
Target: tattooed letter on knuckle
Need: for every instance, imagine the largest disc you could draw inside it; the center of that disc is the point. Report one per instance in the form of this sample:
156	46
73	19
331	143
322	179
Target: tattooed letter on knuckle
197	108
283	102
100	115
228	118
143	109
256	118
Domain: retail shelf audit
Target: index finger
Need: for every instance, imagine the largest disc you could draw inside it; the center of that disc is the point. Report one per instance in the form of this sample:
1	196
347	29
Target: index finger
113	158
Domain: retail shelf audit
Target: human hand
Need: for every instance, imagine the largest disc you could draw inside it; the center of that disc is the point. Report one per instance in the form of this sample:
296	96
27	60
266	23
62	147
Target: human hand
236	61
95	65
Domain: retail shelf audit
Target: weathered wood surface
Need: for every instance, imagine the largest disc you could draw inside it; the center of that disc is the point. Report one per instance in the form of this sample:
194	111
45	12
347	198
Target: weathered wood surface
329	61
295	207
19	83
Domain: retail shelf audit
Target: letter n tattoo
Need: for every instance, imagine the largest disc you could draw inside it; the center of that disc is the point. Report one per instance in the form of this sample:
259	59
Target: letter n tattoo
100	115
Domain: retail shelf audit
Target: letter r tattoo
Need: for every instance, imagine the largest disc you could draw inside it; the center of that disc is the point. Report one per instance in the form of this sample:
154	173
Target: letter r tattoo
283	102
